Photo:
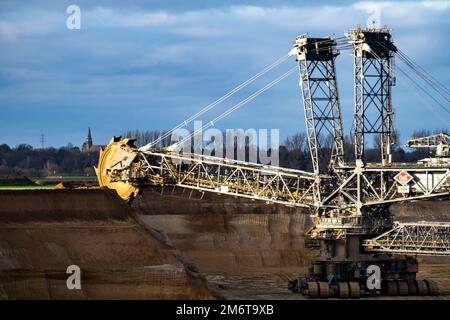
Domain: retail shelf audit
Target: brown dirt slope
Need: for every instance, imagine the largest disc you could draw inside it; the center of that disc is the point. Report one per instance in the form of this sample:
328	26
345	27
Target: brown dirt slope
222	233
247	249
42	232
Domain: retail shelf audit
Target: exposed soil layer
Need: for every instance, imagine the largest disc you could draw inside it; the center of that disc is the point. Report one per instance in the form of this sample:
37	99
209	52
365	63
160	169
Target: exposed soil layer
43	232
248	249
435	210
222	233
164	245
180	201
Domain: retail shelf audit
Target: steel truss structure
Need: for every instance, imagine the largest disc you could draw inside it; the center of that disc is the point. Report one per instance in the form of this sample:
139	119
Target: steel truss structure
281	185
350	206
206	173
440	142
413	238
373	78
363	191
376	185
429	141
316	63
360	203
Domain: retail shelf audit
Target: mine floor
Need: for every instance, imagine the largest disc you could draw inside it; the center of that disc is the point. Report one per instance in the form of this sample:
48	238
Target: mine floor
272	283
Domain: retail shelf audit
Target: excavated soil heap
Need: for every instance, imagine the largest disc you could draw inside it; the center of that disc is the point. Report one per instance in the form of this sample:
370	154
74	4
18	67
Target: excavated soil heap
43	232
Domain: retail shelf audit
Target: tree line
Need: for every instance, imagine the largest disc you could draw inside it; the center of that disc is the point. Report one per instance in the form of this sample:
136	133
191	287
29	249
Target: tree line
294	152
24	160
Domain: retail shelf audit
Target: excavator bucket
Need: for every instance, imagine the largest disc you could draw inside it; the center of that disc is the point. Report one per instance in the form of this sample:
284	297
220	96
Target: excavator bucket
119	153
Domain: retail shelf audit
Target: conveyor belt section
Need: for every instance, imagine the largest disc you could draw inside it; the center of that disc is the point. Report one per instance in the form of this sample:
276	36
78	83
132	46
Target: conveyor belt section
413	238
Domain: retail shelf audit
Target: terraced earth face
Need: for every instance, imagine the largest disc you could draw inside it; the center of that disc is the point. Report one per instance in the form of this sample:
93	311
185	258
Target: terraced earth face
43	232
249	250
169	244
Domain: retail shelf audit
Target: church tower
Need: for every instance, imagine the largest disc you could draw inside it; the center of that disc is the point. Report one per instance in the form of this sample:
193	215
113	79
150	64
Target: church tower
87	145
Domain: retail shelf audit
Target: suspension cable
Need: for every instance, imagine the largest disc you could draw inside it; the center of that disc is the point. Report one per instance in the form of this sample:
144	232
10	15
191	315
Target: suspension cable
417	85
426	103
432	84
216	102
238	105
437	82
423	90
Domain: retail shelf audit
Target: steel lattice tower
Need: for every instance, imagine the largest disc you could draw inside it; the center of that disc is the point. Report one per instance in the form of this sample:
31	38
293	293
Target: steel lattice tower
373	79
316	62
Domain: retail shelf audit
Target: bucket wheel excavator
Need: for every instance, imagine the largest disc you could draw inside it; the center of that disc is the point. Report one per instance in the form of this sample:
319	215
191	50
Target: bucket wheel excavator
362	250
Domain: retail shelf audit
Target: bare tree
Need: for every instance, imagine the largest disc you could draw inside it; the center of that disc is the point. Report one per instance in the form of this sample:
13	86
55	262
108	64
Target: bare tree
297	141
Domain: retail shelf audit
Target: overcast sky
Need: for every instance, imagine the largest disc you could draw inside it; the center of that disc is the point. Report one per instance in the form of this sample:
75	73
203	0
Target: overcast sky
136	65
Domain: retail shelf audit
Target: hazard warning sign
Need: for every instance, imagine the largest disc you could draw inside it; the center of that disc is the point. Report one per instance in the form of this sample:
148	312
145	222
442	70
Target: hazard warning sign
403	177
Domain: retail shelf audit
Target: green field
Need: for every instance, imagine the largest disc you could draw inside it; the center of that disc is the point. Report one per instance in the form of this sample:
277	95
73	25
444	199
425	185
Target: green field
30	187
41	183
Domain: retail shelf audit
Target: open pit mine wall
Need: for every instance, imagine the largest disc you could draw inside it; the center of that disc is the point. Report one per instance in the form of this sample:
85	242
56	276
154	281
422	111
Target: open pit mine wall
157	247
222	233
43	232
431	211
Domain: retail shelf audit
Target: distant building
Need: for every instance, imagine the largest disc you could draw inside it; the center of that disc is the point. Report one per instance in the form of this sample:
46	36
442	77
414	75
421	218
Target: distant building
88	146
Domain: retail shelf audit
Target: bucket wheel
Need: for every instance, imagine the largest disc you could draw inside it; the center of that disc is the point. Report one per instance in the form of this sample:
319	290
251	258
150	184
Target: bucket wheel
117	155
